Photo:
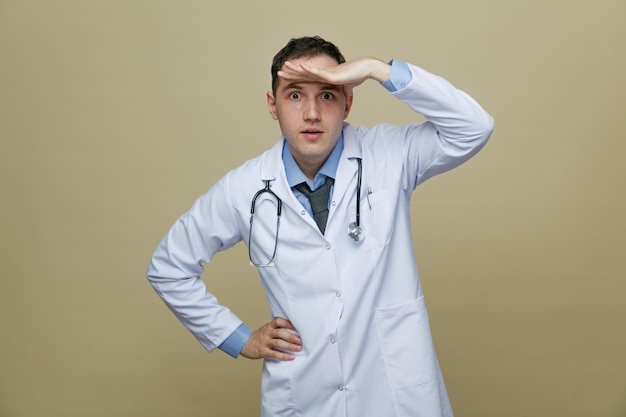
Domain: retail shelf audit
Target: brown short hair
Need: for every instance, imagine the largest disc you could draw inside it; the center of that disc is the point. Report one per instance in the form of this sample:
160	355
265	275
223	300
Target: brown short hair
306	46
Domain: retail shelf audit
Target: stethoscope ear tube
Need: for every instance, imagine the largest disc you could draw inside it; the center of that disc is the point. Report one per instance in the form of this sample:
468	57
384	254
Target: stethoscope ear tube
355	230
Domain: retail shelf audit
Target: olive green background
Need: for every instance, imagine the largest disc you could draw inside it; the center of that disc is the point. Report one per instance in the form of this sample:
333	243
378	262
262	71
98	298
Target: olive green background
115	115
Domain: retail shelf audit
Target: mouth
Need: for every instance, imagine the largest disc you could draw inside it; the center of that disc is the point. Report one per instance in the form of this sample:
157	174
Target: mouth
312	133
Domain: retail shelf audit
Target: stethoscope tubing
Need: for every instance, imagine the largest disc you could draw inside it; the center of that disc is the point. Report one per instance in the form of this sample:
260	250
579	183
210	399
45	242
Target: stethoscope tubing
356	234
358	192
279	207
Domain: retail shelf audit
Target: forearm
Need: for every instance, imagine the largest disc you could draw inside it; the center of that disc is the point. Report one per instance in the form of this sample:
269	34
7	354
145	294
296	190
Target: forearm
198	310
370	68
177	264
456	115
457	126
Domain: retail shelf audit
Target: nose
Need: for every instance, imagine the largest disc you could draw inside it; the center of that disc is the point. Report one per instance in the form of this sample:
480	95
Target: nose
311	110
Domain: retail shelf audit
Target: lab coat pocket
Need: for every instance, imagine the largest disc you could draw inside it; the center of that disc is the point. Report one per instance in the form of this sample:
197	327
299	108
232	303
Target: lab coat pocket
406	344
273	410
277	388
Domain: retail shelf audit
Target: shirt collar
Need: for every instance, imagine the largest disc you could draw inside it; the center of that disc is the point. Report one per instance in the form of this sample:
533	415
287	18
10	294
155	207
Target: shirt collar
329	169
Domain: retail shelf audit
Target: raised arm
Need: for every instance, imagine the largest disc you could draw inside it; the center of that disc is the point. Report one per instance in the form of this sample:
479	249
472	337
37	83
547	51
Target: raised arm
349	74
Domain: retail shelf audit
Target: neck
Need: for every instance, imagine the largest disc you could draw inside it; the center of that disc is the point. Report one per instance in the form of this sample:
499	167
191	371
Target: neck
309	167
310	171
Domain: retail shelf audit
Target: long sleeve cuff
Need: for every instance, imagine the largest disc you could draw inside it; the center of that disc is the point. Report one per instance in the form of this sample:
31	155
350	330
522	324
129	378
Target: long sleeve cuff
400	76
236	341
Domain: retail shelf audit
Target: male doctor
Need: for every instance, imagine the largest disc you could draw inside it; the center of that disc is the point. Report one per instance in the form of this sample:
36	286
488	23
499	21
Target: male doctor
325	215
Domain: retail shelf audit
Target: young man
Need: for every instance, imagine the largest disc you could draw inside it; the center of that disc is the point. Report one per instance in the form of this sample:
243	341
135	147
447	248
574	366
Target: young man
349	334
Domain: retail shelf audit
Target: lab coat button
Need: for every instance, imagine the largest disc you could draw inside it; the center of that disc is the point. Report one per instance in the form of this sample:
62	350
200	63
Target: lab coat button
338	294
302	213
341	388
332	341
334	202
327	247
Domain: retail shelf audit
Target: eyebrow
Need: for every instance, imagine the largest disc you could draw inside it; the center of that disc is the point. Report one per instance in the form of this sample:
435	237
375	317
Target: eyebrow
297	86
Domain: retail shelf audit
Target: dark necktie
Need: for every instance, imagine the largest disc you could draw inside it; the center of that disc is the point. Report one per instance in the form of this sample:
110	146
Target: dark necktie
319	201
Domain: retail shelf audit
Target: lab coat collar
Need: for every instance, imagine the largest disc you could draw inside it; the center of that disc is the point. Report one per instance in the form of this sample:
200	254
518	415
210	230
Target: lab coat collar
273	168
351	146
347	168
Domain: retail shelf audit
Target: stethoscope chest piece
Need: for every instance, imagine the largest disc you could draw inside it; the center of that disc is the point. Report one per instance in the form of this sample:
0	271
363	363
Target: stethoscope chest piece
357	233
355	230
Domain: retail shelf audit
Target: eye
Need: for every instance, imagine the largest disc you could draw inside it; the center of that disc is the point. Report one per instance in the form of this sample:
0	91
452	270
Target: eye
294	96
327	96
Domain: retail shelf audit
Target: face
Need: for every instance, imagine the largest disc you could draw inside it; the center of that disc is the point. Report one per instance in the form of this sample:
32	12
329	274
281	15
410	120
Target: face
310	115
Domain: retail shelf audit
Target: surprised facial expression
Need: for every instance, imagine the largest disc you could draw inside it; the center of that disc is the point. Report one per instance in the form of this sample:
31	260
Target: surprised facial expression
310	115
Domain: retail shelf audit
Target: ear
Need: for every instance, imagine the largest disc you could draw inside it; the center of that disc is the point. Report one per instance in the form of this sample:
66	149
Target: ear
348	105
271	105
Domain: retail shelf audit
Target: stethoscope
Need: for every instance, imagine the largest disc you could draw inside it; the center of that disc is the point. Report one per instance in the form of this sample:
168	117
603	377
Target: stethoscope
355	230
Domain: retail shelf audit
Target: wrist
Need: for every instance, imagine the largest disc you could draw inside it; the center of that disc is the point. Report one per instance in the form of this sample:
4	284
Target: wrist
379	70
